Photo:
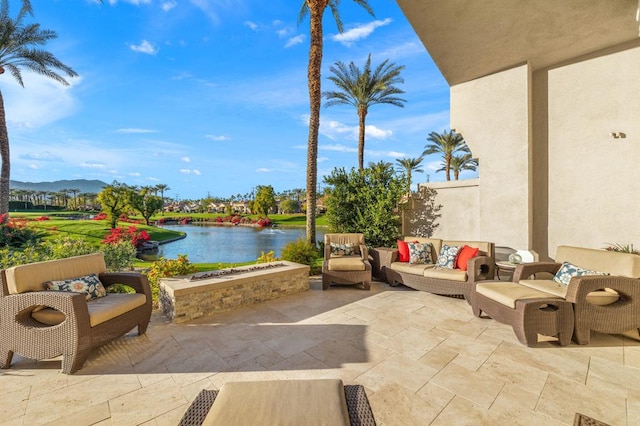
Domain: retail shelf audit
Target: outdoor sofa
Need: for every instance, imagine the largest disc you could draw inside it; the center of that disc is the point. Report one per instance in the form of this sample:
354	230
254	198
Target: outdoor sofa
584	289
41	324
444	280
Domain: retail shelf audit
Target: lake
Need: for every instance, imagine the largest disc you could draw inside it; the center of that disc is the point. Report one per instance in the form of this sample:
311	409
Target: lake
228	244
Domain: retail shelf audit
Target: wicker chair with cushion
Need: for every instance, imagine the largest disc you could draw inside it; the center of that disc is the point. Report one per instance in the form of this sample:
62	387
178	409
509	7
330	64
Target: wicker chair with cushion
75	313
346	260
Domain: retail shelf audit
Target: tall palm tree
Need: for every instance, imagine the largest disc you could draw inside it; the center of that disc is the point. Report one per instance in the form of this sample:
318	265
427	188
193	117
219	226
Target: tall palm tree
447	143
460	163
19	49
161	187
408	166
74	192
363	88
315	9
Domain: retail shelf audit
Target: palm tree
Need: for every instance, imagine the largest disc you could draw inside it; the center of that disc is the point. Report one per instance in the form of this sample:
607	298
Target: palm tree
74	192
19	48
363	88
315	9
448	143
460	163
409	165
162	187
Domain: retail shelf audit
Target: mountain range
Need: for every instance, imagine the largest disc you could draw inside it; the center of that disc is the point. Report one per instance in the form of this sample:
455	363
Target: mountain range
83	185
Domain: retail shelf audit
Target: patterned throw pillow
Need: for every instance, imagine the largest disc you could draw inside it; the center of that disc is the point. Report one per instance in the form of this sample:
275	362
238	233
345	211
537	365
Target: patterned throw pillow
568	271
419	254
89	284
447	256
341	249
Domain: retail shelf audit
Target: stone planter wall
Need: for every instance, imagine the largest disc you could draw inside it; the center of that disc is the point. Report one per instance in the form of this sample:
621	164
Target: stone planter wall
183	300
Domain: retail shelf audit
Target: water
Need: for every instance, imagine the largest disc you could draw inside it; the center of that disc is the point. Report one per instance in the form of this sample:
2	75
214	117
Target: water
228	244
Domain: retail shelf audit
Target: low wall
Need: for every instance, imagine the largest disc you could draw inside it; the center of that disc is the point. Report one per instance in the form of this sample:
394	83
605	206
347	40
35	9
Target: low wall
183	299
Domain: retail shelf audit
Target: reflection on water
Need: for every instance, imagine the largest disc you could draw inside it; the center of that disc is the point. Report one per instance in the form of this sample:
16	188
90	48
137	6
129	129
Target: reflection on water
228	244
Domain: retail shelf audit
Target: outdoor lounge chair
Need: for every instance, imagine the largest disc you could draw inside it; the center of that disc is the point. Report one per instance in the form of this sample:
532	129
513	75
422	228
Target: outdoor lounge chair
346	260
40	324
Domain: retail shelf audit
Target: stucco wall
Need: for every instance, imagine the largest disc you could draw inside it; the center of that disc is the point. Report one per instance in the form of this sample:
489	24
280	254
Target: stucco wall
493	115
594	179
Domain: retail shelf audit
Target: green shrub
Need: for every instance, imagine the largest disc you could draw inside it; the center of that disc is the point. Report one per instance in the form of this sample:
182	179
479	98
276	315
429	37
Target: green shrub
119	256
267	257
47	250
164	268
68	247
300	251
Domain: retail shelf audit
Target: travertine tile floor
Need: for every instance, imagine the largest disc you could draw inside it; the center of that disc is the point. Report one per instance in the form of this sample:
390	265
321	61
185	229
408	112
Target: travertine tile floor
423	359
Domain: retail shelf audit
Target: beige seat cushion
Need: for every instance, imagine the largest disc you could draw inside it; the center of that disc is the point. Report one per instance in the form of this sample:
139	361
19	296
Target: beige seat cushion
445	274
346	263
507	293
100	310
280	402
601	297
408	268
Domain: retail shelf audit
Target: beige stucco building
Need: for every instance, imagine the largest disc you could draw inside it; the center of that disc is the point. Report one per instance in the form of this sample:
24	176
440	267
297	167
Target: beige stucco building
547	95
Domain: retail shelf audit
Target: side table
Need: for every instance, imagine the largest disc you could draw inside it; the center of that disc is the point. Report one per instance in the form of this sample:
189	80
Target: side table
381	258
506	267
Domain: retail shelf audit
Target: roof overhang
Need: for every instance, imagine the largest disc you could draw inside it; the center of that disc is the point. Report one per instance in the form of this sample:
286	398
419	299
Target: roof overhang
469	39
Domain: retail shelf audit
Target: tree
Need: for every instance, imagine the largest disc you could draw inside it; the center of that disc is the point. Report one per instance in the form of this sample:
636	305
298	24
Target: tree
364	88
289	206
74	192
162	188
114	200
408	166
144	203
315	9
460	163
19	49
448	144
365	201
265	200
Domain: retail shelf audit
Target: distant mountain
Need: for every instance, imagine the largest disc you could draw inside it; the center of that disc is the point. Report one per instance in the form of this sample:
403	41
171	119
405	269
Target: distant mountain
90	186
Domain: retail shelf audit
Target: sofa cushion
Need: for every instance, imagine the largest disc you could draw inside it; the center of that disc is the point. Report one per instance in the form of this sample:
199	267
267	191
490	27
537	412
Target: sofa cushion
447	256
100	310
403	251
280	402
346	263
356	239
615	263
408	268
345	249
485	247
569	270
465	255
599	297
435	244
30	277
90	285
445	274
508	293
419	253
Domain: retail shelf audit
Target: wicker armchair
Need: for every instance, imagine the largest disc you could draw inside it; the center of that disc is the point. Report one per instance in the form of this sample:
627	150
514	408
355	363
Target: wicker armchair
344	267
75	325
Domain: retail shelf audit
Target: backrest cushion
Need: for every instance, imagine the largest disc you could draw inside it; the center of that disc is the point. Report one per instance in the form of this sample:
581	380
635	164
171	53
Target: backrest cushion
436	244
355	239
30	277
614	263
486	248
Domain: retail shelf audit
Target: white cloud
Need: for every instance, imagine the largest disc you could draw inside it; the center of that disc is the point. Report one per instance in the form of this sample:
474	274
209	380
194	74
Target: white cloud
217	137
285	32
186	159
134	130
360	32
152	179
433	165
376	133
337	148
263	170
196	172
185	171
212	8
322	159
134	174
33	167
91	165
40	156
251	25
300	38
168	5
144	47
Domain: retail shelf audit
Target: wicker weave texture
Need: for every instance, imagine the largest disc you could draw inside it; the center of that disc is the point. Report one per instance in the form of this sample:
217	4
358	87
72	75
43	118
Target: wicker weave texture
360	413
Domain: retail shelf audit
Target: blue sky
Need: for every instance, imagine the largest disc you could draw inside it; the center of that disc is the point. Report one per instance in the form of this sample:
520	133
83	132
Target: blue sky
210	96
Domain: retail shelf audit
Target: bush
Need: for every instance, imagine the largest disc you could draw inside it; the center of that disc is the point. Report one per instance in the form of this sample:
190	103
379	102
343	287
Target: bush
300	251
267	257
119	256
15	233
47	250
164	268
132	234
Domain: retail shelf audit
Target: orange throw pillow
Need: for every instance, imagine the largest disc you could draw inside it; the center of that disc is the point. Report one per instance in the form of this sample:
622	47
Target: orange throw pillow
403	251
466	253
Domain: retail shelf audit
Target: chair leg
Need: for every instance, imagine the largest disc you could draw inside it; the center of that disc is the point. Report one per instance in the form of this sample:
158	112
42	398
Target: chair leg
366	285
142	327
326	281
5	361
476	310
74	362
582	335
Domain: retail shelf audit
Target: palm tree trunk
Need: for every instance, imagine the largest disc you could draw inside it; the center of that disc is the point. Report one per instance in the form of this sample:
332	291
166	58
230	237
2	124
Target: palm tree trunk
5	170
447	166
362	115
316	10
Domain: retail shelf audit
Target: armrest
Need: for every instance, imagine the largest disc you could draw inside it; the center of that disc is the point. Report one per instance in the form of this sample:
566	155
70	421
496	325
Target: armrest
364	252
136	281
579	287
525	270
73	305
327	252
480	268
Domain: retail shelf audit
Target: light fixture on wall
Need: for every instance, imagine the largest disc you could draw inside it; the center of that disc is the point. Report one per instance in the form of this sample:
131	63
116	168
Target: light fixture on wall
618	135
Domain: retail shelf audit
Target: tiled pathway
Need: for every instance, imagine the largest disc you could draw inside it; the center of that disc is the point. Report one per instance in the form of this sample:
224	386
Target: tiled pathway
423	359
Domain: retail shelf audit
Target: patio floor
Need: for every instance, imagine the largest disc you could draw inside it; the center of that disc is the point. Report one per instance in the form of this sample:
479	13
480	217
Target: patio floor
423	359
